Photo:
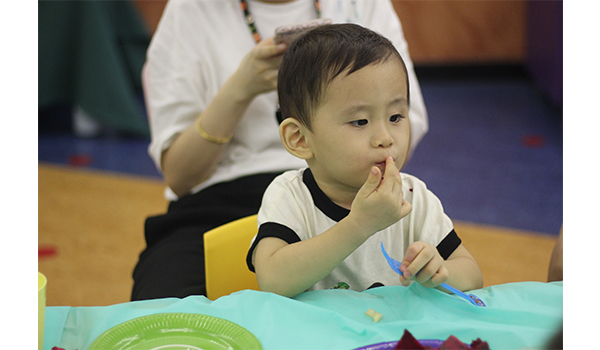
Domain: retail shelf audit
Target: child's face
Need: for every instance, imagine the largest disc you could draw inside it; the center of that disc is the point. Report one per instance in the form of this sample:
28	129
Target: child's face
362	119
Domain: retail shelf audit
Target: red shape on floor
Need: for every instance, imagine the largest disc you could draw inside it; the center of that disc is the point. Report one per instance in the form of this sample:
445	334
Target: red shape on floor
47	251
80	160
533	141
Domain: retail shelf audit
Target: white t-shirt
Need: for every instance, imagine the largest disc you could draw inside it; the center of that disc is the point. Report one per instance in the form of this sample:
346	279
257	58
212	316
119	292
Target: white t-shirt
295	209
199	44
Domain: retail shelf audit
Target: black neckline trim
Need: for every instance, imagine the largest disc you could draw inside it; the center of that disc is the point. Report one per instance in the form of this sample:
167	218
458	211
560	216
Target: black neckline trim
326	205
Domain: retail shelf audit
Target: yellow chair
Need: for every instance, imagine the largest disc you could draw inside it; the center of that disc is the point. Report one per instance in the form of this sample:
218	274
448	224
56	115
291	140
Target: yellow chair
225	250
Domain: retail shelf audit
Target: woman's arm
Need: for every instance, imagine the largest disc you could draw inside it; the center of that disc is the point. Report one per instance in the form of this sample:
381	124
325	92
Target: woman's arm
191	159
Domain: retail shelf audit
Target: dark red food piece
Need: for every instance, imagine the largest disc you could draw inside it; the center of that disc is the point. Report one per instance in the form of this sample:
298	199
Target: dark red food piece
408	342
452	343
479	344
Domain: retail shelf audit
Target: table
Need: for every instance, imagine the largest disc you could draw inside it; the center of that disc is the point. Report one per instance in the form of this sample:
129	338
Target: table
517	316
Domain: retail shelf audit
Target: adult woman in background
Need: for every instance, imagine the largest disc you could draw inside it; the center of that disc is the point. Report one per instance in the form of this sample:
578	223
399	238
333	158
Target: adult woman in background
209	84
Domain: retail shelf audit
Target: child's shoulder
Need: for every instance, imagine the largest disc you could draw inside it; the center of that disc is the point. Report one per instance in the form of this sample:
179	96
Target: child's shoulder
286	189
416	192
411	180
287	180
290	175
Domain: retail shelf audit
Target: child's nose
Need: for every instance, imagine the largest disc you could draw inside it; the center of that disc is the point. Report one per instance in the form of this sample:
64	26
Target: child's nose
383	138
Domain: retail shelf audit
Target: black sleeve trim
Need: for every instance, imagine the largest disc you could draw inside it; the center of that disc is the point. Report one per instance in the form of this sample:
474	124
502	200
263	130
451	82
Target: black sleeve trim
271	229
449	244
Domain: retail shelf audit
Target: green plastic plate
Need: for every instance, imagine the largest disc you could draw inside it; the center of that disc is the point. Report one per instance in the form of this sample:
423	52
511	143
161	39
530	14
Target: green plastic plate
177	331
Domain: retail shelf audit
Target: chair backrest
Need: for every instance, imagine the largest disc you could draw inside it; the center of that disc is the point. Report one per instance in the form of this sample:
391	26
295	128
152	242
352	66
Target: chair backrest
225	250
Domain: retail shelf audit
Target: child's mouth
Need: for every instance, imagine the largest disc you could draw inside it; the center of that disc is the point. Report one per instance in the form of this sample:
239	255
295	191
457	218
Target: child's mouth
381	167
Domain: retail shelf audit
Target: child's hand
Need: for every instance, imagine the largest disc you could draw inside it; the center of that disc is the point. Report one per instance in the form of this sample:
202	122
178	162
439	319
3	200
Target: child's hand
380	201
423	263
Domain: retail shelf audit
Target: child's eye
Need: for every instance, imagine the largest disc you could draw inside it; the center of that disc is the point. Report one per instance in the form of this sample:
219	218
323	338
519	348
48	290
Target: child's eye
360	122
396	118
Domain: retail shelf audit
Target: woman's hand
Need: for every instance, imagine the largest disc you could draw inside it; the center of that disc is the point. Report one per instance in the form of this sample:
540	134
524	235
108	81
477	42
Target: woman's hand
258	70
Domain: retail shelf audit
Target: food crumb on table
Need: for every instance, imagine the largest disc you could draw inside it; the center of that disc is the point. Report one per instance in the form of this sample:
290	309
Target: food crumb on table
376	316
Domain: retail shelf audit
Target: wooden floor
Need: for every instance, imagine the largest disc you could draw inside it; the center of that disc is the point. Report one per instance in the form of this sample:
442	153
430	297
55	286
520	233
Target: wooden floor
95	222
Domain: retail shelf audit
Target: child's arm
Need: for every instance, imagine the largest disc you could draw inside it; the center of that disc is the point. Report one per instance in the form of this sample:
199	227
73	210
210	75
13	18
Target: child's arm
290	269
423	263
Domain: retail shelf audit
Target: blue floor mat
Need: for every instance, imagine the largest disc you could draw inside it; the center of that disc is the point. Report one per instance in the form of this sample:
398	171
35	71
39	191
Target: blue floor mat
493	153
116	154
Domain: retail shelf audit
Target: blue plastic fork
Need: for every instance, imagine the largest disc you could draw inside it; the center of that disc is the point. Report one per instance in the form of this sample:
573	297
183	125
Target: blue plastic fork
395	265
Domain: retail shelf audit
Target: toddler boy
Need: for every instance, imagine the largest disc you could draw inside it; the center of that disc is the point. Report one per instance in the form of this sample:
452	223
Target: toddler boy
344	99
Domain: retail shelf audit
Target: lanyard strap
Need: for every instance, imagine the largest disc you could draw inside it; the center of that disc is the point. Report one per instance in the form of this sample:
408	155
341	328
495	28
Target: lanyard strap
250	20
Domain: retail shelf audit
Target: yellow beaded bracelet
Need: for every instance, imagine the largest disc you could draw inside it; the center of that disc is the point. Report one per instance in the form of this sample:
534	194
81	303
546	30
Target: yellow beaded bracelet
210	138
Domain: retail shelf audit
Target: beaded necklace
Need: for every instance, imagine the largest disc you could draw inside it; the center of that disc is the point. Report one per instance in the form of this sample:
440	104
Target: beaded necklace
250	20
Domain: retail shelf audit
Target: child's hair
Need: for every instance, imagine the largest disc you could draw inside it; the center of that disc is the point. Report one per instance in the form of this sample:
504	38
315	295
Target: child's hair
313	60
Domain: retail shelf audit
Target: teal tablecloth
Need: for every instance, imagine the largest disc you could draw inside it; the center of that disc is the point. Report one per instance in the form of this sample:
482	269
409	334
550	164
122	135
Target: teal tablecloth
517	316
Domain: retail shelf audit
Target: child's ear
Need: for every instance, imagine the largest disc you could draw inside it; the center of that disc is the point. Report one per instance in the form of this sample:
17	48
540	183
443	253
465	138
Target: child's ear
293	136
